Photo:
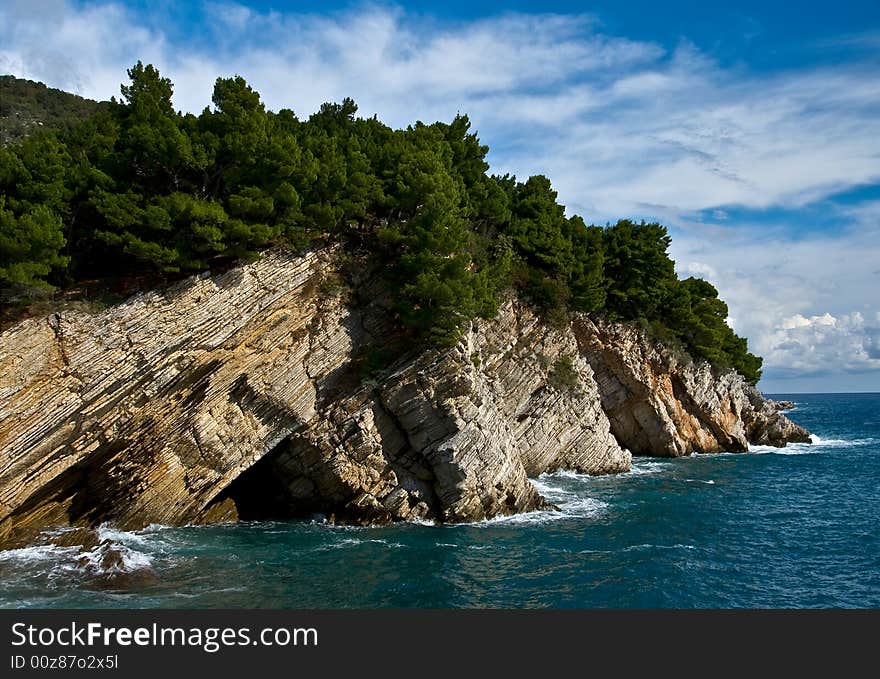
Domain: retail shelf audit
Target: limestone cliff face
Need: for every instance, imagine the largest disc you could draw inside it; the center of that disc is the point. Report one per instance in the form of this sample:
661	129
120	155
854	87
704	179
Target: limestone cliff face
660	405
145	412
241	396
452	435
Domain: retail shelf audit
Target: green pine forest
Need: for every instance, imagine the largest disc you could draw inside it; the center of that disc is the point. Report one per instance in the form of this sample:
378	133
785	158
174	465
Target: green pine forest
132	187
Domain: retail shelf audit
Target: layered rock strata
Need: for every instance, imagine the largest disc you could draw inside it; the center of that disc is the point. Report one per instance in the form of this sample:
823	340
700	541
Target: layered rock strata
663	405
243	395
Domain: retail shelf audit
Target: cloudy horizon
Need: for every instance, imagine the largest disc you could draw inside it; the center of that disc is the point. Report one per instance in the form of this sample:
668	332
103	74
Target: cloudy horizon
764	165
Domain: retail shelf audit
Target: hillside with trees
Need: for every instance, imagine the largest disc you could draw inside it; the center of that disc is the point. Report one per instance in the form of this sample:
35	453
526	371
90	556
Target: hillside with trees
27	106
133	187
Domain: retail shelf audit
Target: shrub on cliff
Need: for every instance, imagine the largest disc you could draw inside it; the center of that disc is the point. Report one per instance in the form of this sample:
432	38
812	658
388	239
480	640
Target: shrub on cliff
563	376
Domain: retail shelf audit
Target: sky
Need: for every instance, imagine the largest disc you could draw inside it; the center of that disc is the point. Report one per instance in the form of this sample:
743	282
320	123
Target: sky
750	129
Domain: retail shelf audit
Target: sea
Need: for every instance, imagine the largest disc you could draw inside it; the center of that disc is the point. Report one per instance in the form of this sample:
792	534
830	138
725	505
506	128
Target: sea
797	527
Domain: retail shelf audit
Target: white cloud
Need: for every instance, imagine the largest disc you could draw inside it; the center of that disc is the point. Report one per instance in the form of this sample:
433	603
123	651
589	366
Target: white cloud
826	344
84	50
232	16
776	285
698	269
622	126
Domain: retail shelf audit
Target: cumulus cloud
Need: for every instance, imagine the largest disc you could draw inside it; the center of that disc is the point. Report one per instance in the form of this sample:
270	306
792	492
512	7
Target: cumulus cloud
624	128
774	284
825	344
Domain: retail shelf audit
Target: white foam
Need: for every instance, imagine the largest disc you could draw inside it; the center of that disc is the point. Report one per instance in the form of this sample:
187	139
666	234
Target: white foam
352	542
38	554
123	537
818	445
59	561
212	592
645	467
838	443
587	506
132	560
347	542
527	518
581	507
569	474
788	450
423	522
551	492
641	547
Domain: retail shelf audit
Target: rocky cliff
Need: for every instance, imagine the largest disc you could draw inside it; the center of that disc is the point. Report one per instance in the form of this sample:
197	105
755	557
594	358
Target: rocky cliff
659	404
244	395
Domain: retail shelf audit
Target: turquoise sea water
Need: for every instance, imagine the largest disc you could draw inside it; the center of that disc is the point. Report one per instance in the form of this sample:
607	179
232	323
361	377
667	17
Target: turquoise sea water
794	527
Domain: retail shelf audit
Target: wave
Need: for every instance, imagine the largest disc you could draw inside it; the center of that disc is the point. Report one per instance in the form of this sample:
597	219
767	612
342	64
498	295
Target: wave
423	522
475	548
817	446
356	542
553	492
641	547
117	553
587	509
110	558
38	554
565	474
123	537
838	443
571	504
647	467
640	467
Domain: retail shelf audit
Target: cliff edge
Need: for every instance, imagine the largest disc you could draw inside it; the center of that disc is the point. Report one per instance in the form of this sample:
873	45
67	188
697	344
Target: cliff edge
244	396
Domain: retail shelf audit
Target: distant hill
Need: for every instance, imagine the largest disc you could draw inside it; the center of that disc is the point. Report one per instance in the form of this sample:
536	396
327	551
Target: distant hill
26	105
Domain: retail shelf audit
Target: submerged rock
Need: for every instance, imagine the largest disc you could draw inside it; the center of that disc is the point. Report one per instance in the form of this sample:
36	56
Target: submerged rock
94	561
107	566
243	396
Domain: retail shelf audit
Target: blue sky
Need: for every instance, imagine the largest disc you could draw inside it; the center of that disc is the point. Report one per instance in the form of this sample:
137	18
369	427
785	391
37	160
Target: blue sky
751	129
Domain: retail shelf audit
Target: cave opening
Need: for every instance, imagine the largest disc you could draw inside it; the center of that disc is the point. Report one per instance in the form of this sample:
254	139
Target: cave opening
263	492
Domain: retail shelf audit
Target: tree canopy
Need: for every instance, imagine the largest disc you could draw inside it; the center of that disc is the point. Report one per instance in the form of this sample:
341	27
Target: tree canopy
135	186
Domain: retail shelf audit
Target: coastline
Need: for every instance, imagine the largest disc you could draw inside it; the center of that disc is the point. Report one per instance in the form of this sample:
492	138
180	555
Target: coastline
777	527
243	396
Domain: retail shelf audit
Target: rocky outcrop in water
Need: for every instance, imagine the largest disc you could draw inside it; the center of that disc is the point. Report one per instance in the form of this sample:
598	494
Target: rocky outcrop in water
244	395
450	435
663	405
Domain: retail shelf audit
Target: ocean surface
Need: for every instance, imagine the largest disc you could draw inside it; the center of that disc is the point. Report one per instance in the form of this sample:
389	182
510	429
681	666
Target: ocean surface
797	527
